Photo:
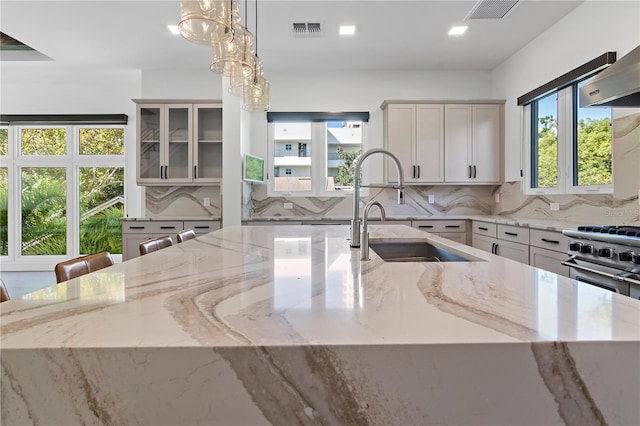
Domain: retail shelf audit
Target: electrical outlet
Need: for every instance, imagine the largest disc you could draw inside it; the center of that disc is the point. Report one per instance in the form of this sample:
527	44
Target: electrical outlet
206	202
432	198
554	206
496	198
288	206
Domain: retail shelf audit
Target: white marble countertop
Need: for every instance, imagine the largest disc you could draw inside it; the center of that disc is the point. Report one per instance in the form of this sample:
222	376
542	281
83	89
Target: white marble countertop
291	285
285	325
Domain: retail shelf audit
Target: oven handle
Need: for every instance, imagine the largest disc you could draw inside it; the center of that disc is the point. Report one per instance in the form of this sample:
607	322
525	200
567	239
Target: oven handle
570	262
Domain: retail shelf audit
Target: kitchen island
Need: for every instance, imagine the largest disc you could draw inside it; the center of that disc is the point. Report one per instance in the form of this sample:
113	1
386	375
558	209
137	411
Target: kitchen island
285	325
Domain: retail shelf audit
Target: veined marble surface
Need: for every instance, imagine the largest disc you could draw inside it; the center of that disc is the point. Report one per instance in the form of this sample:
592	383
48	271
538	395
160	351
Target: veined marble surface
284	325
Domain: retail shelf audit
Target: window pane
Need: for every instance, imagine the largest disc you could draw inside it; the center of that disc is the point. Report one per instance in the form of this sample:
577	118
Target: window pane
44	222
44	141
292	157
545	152
101	141
101	208
593	160
4	141
344	145
4	222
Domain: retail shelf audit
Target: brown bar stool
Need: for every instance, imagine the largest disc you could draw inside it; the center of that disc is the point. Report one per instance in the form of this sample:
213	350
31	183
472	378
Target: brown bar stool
155	244
187	234
82	265
4	294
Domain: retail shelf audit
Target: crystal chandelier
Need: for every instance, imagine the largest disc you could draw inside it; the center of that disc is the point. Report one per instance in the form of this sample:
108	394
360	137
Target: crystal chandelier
217	23
256	89
207	22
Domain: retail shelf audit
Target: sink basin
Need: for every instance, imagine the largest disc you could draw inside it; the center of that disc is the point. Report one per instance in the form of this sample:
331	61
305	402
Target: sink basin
406	250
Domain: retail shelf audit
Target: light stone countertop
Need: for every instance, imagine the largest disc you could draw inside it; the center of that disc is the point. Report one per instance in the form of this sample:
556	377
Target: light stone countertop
293	311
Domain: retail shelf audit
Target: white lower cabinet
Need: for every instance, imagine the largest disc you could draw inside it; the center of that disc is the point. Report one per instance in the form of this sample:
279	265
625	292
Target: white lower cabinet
454	230
136	232
548	249
507	241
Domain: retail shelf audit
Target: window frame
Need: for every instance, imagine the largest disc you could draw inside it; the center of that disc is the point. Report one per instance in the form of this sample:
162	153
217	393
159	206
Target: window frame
567	125
72	161
319	157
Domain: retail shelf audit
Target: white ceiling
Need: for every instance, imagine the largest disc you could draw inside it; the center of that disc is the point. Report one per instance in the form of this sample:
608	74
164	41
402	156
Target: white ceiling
391	34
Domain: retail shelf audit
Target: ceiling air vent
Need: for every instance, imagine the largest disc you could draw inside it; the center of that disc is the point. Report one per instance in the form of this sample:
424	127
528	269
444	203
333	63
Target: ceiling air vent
491	9
306	29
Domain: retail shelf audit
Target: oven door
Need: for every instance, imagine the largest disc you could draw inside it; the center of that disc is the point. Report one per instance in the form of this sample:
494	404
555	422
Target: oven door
600	276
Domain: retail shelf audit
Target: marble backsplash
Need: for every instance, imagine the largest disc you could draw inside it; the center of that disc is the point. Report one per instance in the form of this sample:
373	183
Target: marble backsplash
453	200
182	201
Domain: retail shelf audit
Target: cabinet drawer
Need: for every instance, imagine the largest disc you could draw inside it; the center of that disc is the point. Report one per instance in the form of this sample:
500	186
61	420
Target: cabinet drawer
440	225
548	240
513	233
484	228
152	227
202	226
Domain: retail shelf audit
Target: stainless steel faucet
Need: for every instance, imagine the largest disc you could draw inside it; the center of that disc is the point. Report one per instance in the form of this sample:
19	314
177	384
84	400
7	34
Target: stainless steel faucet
355	220
364	251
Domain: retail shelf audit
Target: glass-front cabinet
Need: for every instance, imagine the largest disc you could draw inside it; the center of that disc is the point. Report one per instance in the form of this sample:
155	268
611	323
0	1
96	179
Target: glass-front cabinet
179	143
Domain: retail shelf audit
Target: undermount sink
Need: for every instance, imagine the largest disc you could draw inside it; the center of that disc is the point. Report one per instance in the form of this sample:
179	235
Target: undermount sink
407	250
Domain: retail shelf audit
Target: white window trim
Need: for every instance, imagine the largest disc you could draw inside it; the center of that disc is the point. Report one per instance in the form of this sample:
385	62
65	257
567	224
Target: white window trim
14	161
318	165
565	152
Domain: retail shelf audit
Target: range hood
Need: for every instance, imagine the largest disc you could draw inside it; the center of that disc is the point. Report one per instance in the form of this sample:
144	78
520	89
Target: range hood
616	86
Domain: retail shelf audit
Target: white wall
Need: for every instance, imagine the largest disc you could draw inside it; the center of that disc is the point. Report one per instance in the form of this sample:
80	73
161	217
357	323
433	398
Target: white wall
171	84
46	88
595	27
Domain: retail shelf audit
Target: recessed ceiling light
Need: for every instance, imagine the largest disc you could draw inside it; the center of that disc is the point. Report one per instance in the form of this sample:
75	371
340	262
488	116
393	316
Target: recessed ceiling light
173	29
347	29
457	30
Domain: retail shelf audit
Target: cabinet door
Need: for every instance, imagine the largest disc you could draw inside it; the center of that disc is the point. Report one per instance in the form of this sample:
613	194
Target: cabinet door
514	251
458	237
429	150
150	143
486	143
457	142
400	134
177	128
131	245
483	243
548	260
207	140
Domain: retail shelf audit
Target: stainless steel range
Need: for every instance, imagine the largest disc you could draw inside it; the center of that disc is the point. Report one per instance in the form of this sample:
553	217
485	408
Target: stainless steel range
607	257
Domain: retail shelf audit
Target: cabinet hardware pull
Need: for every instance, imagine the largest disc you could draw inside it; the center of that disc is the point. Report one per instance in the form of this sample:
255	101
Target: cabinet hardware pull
160	172
452	226
418	171
136	227
550	241
482	228
425	226
513	234
469	173
167	227
195	172
474	171
493	248
201	227
414	172
166	172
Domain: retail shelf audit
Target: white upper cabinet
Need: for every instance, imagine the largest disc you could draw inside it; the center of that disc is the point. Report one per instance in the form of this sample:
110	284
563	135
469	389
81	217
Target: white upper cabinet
415	134
179	143
472	143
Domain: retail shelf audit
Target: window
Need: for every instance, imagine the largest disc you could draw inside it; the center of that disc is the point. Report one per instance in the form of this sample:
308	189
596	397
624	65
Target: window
316	151
569	148
68	183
